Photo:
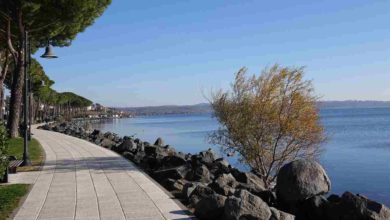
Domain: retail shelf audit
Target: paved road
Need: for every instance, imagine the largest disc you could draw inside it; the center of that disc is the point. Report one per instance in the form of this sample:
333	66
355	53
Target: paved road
83	181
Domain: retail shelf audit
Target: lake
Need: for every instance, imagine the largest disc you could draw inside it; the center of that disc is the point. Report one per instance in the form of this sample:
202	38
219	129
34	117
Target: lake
356	156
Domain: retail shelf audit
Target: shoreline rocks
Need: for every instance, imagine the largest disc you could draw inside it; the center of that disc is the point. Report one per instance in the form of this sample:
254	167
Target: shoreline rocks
213	189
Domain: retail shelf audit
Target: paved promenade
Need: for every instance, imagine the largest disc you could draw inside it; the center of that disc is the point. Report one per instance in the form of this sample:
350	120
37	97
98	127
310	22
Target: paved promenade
83	181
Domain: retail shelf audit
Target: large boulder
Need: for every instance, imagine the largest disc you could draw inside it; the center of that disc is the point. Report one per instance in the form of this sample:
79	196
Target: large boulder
300	180
357	207
244	205
224	184
211	207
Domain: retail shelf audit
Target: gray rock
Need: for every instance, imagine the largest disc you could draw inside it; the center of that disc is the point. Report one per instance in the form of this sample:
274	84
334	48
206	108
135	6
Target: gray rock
128	155
224	184
127	145
200	174
280	215
357	207
107	143
173	161
189	188
207	157
173	185
211	207
244	205
201	191
313	208
299	180
220	166
173	173
252	183
159	142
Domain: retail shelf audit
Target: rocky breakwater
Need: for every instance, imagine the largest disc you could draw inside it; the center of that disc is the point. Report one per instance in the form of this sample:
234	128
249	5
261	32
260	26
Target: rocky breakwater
213	189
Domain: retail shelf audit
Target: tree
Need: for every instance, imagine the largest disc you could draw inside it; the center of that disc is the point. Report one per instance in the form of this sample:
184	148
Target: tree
269	120
60	21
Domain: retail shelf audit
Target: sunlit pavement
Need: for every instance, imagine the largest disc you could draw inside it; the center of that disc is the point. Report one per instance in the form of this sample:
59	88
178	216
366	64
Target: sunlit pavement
80	180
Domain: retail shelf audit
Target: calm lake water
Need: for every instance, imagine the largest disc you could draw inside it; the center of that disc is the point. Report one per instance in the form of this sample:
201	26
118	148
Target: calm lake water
356	157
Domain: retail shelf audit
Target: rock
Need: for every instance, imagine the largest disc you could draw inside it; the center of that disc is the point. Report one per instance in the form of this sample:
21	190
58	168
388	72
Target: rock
127	145
173	185
220	166
173	161
207	157
211	207
189	188
357	207
140	146
200	174
173	173
159	142
334	198
313	208
267	196
280	215
244	205
138	157
97	134
128	155
300	180
252	183
201	191
109	135
107	143
151	150
224	184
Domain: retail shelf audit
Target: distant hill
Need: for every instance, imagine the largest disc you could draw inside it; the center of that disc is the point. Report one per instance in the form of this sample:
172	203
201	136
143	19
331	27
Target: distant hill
206	108
354	104
169	109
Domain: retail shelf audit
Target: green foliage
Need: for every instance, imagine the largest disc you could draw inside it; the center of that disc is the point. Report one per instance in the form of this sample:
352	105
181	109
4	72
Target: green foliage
60	20
3	150
10	196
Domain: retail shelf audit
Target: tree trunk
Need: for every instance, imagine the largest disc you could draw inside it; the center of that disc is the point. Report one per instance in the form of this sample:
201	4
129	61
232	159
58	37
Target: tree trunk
16	98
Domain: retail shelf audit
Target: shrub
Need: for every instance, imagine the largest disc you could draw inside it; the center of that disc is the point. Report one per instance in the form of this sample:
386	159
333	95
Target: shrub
3	150
269	120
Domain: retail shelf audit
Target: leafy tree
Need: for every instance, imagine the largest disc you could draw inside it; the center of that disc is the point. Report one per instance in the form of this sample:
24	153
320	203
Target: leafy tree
60	21
269	120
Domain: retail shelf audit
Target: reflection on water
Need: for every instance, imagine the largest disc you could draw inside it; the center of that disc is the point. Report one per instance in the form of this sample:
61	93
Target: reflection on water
356	157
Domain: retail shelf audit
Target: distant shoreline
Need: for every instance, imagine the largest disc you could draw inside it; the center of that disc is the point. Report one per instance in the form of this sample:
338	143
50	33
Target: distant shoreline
205	108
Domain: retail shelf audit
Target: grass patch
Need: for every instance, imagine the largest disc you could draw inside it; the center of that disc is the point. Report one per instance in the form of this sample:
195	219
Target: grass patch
10	196
36	153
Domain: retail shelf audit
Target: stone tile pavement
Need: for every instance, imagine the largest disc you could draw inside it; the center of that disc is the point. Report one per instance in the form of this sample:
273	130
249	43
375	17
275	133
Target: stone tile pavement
83	181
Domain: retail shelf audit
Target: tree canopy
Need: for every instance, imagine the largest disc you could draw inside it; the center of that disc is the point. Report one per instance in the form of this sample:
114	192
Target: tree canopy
269	120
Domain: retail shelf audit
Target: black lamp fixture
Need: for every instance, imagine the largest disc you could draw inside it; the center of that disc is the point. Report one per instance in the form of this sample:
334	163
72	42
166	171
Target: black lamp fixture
49	52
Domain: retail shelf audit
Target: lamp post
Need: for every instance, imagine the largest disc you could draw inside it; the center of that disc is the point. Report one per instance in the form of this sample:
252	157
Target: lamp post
27	87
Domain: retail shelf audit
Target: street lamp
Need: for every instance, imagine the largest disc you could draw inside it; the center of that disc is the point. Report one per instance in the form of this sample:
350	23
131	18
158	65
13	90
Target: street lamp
27	89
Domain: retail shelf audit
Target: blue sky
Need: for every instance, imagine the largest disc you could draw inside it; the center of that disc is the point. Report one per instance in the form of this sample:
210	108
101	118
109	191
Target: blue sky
173	51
